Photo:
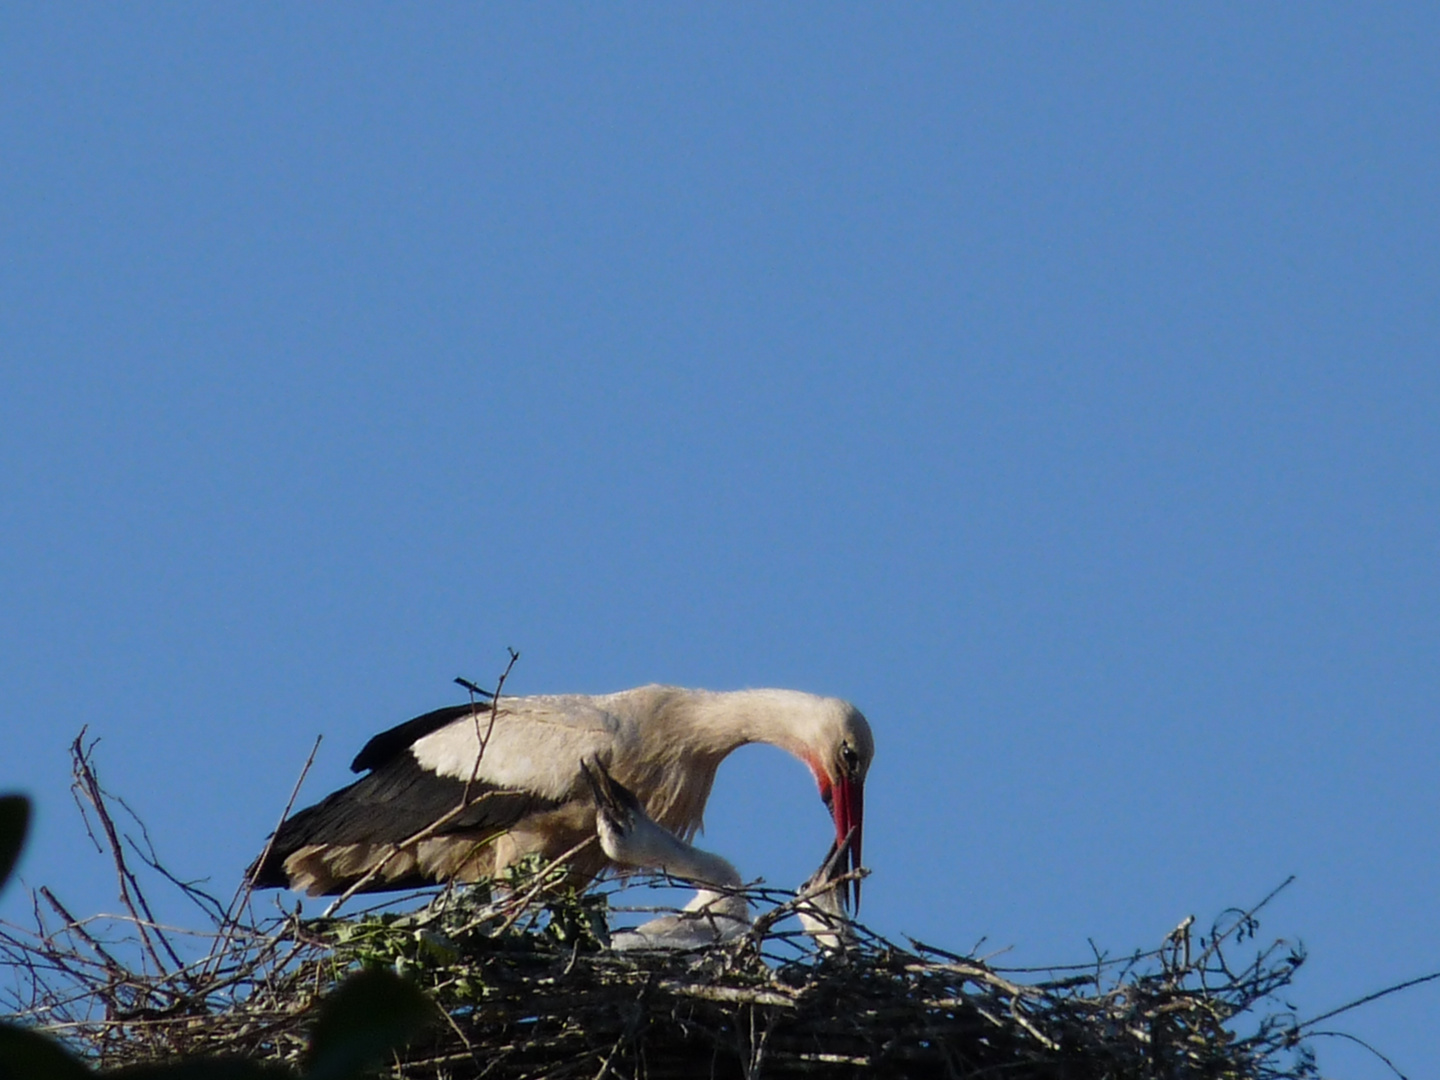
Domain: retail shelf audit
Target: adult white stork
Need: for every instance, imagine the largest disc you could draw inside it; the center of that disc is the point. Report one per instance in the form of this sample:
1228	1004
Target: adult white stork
517	771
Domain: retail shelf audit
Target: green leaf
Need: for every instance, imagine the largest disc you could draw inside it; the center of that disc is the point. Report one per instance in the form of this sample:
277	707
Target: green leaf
369	1015
28	1055
14	821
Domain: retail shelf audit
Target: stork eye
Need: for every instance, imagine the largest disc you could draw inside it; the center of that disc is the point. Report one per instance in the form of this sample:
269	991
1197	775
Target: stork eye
849	757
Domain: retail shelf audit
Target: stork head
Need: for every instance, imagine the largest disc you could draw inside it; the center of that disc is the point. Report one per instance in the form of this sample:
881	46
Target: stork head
617	810
839	756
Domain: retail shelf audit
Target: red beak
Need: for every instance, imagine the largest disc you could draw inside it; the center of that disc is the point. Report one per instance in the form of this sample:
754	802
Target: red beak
848	806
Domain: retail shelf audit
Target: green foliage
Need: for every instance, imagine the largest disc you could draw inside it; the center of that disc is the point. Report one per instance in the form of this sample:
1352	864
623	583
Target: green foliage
441	948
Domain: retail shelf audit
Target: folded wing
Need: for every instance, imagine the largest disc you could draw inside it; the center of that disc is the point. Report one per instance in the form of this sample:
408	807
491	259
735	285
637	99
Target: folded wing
522	771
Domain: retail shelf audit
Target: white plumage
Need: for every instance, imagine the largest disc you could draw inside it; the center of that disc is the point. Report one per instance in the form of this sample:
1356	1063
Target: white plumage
527	792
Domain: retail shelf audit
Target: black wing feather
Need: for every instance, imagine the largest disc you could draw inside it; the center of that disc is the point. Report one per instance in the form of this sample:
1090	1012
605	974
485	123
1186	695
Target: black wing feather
388	744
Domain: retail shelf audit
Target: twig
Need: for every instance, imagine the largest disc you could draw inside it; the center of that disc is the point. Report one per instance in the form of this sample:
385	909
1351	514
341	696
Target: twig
74	925
247	884
210	905
1246	919
1406	985
85	778
542	879
482	743
1361	1042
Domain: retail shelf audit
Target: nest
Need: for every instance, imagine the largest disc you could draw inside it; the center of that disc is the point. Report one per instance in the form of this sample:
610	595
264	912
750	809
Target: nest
526	987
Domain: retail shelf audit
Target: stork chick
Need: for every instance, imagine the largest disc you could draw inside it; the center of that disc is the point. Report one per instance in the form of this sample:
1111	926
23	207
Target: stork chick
822	915
632	839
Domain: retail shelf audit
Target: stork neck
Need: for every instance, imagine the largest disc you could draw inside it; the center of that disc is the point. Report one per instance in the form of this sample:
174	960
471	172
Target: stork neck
725	721
701	866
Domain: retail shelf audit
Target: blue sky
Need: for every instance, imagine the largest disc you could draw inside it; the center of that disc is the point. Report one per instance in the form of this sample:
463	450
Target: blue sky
1059	384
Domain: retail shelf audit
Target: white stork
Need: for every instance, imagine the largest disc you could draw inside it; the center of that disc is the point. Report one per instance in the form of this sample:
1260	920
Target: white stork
518	772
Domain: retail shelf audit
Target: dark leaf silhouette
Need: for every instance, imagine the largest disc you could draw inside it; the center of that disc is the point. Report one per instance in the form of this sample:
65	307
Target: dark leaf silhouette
369	1015
28	1055
14	820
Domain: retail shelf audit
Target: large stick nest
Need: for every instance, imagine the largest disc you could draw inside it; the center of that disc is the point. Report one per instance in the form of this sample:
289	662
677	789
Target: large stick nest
526	987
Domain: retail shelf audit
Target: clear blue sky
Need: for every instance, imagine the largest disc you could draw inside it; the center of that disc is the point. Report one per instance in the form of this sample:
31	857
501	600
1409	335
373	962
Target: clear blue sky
1058	383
